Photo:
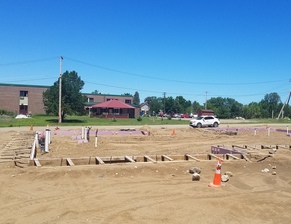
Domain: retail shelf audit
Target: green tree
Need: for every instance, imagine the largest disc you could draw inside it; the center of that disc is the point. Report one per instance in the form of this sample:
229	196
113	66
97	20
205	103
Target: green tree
253	110
218	106
181	105
225	107
195	107
96	92
72	99
270	105
155	104
136	100
170	105
235	107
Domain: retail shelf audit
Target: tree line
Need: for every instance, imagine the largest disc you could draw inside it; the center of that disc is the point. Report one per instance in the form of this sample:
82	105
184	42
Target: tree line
73	102
225	108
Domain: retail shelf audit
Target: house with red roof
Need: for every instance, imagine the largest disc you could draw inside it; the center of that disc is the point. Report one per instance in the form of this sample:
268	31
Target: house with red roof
114	109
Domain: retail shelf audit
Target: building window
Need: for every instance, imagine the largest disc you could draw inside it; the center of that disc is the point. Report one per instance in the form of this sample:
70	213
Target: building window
90	99
23	93
116	111
128	101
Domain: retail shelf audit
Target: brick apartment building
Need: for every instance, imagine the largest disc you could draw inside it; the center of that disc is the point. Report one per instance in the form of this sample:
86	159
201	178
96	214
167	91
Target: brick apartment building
22	99
25	99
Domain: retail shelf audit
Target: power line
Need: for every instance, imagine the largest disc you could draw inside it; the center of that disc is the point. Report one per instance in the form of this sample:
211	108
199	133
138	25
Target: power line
28	61
143	76
118	87
139	75
176	93
27	80
171	80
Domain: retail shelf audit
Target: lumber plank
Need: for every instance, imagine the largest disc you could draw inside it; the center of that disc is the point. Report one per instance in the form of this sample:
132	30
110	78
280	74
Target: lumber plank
192	157
70	162
129	159
232	156
284	146
99	160
149	158
238	146
166	157
246	158
215	156
36	162
265	147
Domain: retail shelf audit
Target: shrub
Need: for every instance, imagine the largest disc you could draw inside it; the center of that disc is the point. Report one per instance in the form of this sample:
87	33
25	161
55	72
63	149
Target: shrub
139	118
5	112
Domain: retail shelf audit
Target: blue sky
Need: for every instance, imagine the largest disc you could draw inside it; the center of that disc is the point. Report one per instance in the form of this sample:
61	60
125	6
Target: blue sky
192	48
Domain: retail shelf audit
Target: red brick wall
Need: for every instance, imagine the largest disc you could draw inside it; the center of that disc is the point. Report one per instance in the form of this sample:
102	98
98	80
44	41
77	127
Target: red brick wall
10	98
103	98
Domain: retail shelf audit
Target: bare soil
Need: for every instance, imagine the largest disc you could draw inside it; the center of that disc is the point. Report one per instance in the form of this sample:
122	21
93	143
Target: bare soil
146	192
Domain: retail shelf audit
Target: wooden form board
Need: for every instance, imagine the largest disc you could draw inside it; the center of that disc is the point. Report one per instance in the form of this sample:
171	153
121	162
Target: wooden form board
187	156
166	157
231	155
215	156
99	160
129	159
70	162
36	162
146	158
246	158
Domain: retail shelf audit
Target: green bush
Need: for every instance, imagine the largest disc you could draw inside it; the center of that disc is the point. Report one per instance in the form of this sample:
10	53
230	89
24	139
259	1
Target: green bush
139	118
5	112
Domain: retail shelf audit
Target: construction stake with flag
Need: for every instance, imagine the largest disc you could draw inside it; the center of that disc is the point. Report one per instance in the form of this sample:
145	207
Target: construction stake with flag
217	175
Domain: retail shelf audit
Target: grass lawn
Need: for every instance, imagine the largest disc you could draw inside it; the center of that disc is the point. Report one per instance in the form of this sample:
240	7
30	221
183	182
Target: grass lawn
43	120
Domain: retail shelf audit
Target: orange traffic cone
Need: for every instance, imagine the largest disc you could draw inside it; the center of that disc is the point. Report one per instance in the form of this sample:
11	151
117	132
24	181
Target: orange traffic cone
217	175
31	128
173	132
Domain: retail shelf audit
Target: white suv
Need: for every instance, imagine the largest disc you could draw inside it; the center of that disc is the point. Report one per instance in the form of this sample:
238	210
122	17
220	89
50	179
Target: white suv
204	121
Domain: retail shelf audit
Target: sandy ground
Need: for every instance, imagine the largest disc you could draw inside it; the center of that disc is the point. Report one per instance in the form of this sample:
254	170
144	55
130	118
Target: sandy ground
146	192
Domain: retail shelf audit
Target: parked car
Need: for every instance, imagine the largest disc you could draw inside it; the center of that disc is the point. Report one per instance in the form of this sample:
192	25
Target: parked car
184	116
204	121
176	115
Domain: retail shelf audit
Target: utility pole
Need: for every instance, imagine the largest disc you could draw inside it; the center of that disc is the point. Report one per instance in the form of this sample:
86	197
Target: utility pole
60	91
206	100
281	114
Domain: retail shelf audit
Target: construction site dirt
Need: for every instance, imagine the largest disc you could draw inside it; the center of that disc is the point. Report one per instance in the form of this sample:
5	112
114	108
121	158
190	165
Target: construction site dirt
152	184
